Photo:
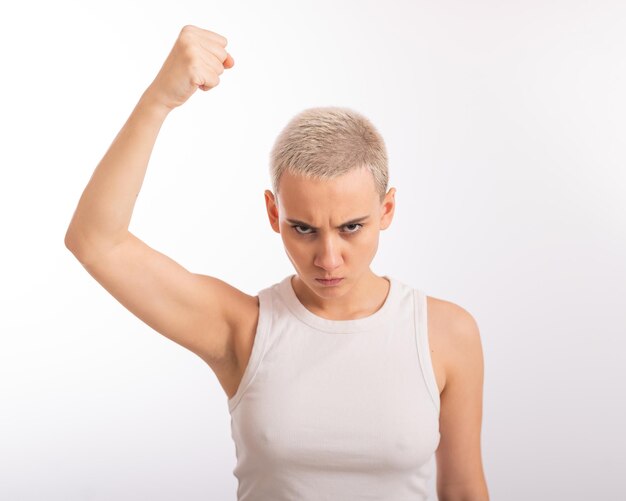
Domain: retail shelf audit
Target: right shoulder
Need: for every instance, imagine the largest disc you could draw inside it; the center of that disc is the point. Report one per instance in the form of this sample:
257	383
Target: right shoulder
243	317
243	311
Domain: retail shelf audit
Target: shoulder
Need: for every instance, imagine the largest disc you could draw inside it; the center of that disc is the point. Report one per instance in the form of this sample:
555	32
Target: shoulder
454	334
244	329
459	459
245	316
451	321
458	320
459	463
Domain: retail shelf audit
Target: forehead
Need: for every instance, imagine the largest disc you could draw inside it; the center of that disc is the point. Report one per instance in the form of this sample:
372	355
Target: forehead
343	196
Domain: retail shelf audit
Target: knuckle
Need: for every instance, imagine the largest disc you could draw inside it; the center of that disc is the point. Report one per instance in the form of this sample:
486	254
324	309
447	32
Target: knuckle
186	45
186	36
221	40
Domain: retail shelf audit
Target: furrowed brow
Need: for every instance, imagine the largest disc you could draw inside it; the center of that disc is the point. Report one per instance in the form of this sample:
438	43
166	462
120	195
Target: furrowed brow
352	221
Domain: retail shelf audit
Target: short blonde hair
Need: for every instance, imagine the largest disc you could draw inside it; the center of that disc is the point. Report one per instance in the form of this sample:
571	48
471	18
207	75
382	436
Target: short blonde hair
326	142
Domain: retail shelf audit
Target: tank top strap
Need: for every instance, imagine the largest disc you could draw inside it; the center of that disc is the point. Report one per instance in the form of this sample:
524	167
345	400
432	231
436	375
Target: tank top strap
423	346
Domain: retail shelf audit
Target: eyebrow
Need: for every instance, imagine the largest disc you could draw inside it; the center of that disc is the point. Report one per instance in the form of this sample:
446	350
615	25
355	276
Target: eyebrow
352	221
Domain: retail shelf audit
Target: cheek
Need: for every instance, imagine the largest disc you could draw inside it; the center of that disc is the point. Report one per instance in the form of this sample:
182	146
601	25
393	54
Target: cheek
368	244
295	246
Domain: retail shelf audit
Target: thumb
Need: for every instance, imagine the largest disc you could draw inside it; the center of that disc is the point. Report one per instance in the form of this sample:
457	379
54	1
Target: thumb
229	62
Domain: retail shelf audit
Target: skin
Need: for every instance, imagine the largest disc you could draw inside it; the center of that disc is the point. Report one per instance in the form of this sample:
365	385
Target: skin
333	249
217	321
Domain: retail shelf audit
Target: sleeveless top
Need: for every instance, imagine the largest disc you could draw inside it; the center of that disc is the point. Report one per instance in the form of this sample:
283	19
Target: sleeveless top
336	410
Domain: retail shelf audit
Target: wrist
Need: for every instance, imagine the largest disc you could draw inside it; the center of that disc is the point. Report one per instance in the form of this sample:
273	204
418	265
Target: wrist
151	104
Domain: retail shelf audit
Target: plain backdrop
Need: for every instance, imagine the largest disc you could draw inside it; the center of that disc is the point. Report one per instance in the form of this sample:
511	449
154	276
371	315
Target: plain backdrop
504	124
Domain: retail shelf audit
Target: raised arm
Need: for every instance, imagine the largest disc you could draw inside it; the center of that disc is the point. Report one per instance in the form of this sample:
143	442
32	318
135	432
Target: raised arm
196	311
103	215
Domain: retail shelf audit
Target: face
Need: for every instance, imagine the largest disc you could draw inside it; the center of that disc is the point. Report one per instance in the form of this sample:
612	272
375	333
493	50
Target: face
330	228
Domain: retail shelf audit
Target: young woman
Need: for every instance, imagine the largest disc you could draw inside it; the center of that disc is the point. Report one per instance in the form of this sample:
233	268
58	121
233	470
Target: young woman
341	384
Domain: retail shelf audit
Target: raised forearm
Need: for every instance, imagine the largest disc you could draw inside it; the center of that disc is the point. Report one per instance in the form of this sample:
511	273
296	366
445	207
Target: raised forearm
104	210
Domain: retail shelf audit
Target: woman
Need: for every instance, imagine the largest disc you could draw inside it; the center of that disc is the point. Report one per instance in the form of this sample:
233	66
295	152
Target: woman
341	384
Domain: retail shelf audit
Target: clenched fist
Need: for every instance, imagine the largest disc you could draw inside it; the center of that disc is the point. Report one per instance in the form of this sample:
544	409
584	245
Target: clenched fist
197	59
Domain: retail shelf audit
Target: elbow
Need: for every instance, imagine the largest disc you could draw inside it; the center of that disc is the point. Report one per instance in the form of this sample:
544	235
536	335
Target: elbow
70	241
87	248
76	244
73	241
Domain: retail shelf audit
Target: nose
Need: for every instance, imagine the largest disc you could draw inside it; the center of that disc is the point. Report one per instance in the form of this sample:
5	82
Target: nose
328	256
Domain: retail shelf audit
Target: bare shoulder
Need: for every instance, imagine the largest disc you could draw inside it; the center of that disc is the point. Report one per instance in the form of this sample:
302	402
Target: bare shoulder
452	333
451	321
245	329
242	311
455	340
243	315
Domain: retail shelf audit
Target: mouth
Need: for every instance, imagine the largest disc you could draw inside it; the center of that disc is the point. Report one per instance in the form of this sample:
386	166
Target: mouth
331	281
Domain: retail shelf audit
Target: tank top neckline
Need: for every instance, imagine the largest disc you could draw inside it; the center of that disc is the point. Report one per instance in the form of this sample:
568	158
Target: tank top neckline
376	319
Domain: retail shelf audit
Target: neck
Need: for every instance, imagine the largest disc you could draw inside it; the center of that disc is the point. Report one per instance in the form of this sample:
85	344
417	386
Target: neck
357	299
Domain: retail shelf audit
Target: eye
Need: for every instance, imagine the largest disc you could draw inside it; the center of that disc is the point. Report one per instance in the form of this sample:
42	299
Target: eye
296	226
356	226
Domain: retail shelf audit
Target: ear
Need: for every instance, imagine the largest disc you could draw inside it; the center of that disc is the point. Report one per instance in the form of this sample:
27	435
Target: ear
387	208
271	205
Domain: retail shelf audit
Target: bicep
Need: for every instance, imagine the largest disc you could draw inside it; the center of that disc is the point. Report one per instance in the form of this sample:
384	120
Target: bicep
459	461
193	310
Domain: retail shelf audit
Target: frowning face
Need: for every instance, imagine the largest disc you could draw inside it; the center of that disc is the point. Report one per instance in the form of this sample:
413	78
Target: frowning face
330	228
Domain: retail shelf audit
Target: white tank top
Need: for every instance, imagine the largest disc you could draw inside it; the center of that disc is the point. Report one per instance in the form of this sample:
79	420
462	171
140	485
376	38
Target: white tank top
336	410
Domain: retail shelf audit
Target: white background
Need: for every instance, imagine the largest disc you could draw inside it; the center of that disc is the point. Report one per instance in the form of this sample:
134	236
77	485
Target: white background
505	126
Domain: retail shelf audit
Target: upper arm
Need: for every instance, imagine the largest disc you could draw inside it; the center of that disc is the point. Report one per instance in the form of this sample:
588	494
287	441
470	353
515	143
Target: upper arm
459	462
196	311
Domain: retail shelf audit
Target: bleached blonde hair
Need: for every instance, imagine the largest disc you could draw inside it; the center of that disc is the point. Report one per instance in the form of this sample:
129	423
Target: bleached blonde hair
328	141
